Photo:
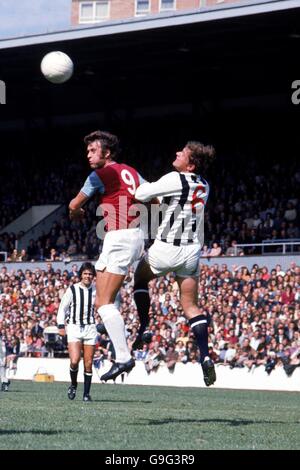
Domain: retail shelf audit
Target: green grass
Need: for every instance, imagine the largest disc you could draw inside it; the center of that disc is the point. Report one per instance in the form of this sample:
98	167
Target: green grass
124	417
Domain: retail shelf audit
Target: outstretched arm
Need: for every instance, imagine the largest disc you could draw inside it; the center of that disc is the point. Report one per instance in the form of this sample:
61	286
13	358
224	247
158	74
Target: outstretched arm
166	186
92	185
75	206
154	200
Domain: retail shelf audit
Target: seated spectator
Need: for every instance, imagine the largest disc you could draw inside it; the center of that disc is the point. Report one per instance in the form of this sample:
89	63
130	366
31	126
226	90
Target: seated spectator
231	353
153	358
53	256
287	296
171	357
234	250
14	256
290	213
205	252
256	340
141	354
216	250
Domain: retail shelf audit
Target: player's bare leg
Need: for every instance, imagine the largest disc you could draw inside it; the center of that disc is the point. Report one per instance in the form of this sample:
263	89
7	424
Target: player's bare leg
198	323
108	285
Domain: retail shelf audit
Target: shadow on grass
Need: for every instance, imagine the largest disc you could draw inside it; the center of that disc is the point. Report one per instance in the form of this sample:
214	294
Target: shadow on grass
125	401
32	431
231	422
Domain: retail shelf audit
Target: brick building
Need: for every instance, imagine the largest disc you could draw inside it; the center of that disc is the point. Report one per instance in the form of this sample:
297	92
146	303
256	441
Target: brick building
95	11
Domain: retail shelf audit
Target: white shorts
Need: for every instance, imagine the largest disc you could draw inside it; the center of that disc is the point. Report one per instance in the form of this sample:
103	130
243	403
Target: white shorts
121	248
183	260
86	334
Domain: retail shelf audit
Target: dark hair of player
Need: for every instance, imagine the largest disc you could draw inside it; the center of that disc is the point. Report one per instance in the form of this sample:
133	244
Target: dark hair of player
201	155
108	142
87	267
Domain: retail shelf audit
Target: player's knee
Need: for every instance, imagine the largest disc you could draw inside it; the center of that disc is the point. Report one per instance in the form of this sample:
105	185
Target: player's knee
140	284
74	365
190	309
88	366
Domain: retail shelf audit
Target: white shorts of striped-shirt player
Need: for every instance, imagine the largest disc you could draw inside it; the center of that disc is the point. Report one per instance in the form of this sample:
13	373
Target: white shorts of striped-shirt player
183	260
87	334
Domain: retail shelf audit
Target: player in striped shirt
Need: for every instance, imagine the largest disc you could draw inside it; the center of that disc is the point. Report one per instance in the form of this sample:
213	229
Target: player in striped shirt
5	382
178	242
77	311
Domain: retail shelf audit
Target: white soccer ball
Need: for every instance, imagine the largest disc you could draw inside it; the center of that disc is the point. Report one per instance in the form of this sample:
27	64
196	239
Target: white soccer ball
57	67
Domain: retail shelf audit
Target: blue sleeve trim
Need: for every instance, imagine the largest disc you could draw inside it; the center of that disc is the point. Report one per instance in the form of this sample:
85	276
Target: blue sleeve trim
141	179
92	185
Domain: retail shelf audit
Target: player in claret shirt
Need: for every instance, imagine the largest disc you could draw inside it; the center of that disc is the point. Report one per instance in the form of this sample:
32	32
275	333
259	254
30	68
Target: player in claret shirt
123	245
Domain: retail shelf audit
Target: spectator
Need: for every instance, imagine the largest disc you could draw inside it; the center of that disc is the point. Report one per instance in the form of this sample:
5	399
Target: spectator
287	296
234	250
216	250
153	358
171	357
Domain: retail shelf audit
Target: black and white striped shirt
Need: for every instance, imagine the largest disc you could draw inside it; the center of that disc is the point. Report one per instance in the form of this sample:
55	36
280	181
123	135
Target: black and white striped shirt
2	352
182	206
77	305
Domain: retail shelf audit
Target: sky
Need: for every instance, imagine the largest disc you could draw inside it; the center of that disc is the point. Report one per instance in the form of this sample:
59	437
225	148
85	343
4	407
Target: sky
25	17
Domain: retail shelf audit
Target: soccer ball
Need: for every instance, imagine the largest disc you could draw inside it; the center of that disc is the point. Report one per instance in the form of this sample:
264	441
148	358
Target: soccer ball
57	67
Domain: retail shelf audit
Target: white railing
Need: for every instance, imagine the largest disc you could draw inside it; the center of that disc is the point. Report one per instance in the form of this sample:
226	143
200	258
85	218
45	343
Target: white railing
267	244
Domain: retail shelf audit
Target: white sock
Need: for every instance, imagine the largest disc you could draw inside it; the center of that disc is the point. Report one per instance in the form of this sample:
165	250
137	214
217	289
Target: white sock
115	327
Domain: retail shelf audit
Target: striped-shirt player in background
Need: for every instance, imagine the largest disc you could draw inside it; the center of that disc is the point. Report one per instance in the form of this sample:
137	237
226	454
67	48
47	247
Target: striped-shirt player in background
77	311
5	382
178	242
123	244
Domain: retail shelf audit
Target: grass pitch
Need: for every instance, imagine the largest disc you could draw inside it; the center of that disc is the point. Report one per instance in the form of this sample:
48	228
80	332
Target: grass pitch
126	417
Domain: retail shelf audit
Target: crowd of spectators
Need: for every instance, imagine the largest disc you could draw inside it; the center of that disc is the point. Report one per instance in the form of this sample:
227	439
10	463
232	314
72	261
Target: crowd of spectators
255	316
244	207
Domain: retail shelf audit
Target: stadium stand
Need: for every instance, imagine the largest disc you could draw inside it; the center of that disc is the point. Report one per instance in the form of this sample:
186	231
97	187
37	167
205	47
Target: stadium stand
261	205
255	316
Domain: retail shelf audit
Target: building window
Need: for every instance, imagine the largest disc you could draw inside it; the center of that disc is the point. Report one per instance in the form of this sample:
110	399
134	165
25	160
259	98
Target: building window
93	12
142	7
167	5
